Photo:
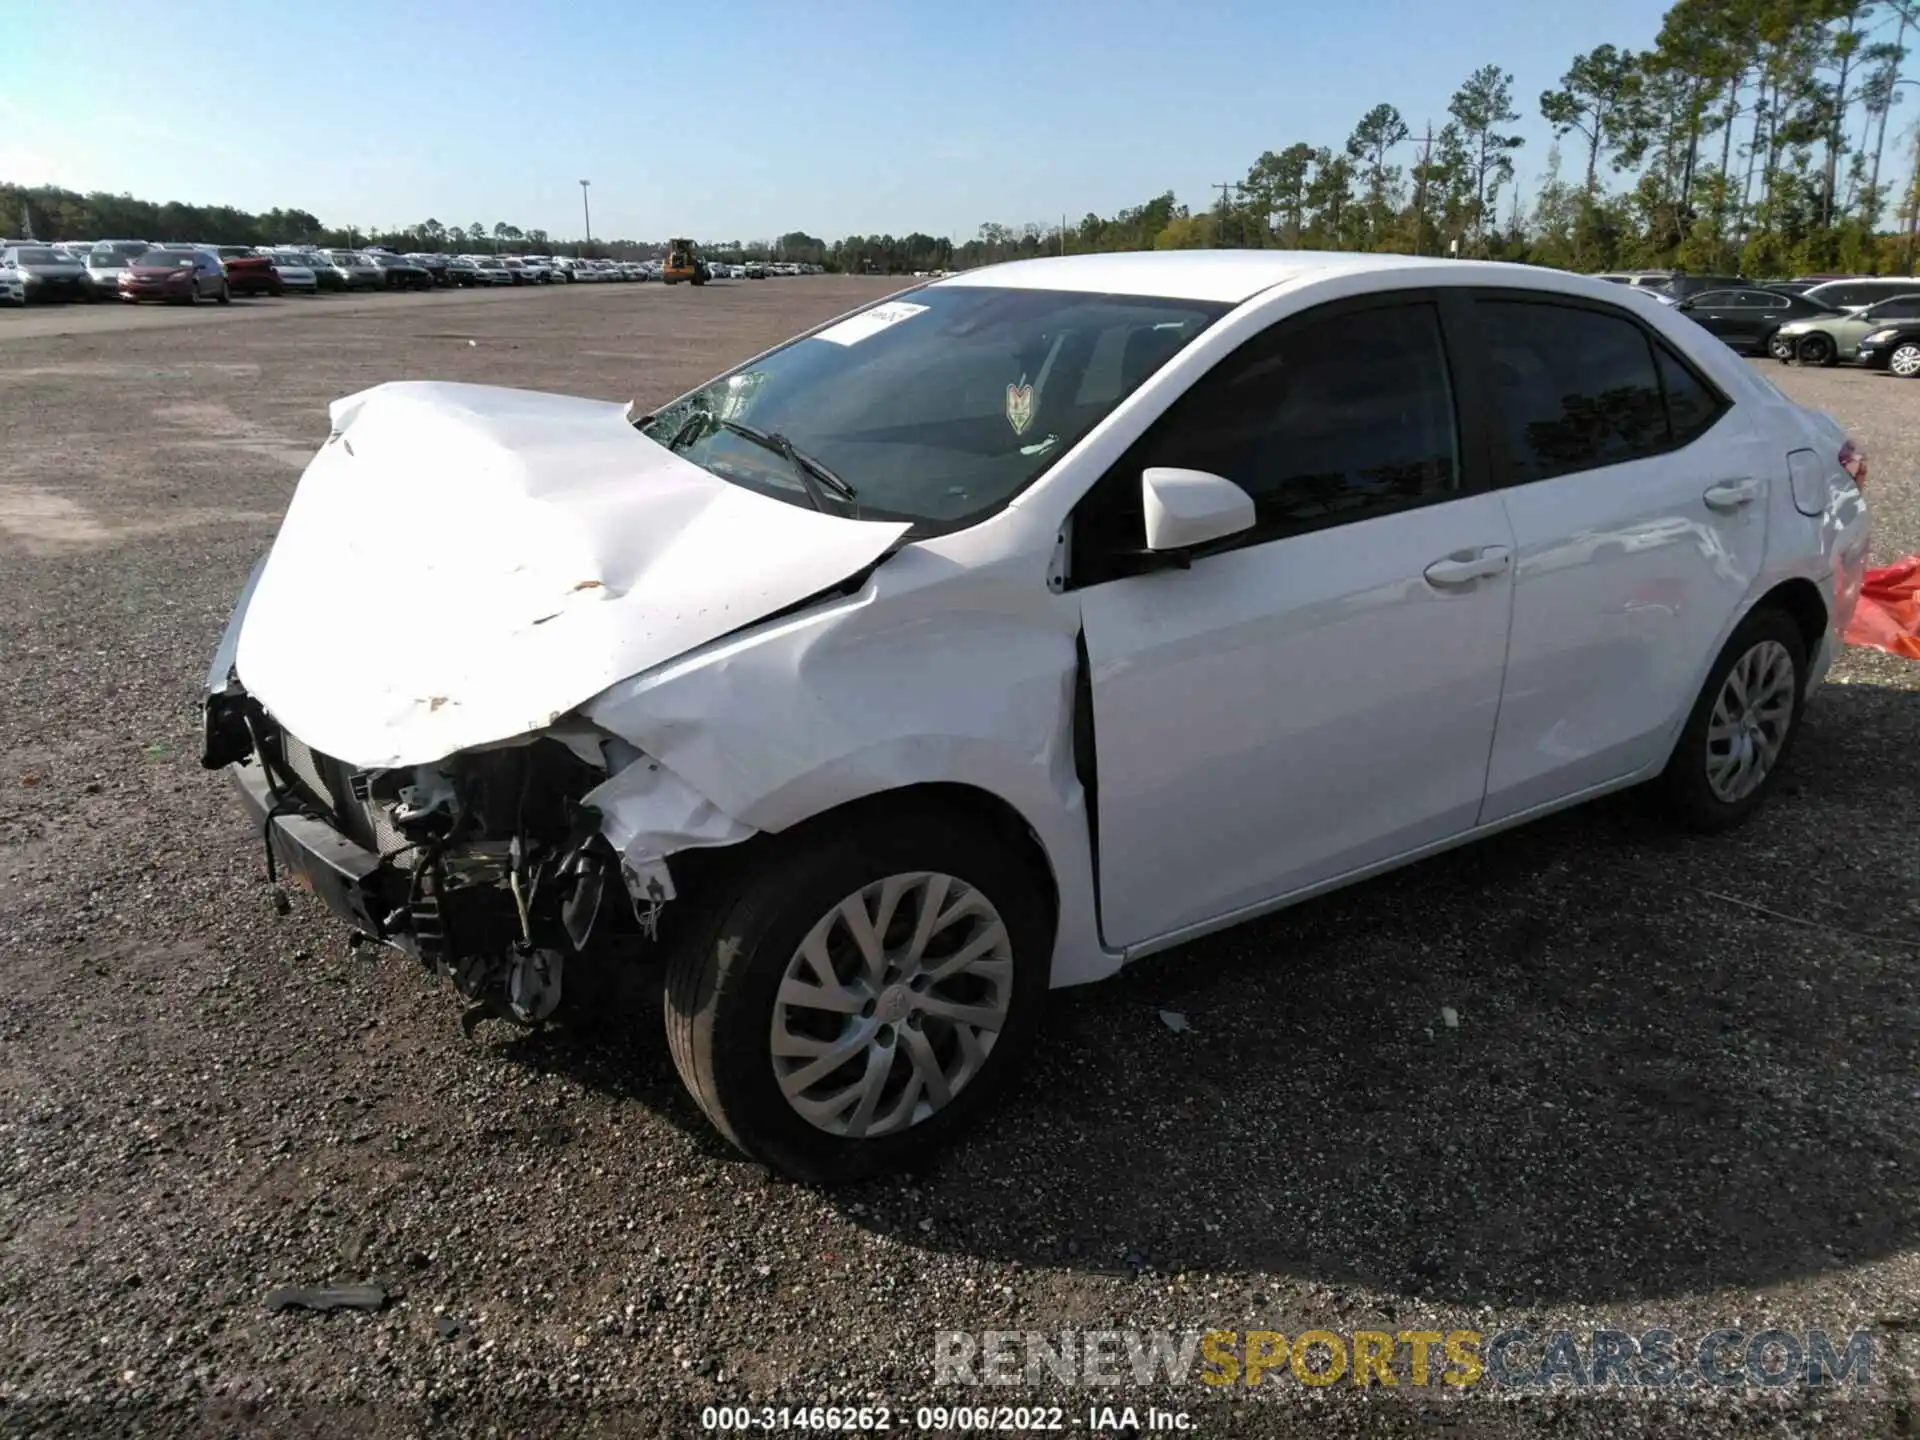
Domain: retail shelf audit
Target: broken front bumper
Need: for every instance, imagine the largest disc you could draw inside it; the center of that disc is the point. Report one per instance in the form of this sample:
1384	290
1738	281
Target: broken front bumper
349	879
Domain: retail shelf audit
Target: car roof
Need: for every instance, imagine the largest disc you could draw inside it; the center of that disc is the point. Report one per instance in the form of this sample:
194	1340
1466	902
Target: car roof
1224	275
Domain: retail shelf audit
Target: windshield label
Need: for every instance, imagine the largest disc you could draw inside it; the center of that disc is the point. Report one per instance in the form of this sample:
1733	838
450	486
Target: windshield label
1020	406
856	328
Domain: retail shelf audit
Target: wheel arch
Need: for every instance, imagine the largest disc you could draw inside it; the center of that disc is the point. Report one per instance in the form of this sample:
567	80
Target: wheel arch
702	869
1804	604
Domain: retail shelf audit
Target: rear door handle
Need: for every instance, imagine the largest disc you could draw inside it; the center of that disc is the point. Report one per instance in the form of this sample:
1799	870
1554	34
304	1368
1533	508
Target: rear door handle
1732	494
1463	567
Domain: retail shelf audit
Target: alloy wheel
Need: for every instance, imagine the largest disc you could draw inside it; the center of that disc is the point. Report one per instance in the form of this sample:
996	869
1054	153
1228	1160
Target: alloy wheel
891	1004
1905	361
1748	727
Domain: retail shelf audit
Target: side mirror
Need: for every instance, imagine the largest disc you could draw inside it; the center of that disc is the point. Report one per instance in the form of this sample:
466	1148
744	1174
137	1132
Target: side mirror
1186	508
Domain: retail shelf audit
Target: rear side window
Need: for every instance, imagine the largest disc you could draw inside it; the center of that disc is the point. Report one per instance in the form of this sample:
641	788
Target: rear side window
1576	389
1691	406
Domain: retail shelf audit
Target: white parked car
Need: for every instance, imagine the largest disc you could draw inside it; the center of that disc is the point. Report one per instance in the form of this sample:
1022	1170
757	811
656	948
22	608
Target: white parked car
1022	625
295	273
13	285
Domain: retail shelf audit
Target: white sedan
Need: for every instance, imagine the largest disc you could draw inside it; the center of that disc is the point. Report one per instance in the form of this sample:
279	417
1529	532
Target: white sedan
13	285
1028	623
295	273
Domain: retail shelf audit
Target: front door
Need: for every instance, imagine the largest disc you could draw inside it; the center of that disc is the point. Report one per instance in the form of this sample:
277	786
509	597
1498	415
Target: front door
1318	694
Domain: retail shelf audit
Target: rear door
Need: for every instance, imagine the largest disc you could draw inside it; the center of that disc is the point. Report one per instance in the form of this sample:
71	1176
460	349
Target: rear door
1637	494
1724	313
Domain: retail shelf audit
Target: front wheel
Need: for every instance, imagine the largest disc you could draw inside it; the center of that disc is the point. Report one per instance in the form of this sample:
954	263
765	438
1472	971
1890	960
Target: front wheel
1905	360
856	997
1817	350
225	297
1742	726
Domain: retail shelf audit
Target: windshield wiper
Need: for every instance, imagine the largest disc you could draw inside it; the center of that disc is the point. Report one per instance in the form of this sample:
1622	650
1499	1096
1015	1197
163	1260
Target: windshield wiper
814	476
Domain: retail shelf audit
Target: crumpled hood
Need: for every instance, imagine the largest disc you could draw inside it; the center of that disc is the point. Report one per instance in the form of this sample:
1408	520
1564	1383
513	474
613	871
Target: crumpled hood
463	564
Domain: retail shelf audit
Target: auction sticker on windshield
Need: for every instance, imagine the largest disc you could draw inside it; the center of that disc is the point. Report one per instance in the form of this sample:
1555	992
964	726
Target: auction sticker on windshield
855	328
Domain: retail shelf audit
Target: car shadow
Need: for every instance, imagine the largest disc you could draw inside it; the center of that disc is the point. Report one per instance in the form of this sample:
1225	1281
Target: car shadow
1592	1060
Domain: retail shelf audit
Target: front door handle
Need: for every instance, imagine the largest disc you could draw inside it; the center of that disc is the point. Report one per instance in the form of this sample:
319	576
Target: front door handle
1732	494
1463	567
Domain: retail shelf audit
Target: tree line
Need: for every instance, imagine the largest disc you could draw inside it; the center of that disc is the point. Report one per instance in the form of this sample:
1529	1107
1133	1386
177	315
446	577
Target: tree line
1752	136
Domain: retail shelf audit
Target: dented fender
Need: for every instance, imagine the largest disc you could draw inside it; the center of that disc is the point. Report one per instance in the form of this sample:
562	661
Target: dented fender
941	670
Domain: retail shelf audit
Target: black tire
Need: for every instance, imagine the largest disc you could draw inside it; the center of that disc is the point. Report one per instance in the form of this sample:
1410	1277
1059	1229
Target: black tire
1779	346
1907	354
1683	786
729	959
225	297
1817	350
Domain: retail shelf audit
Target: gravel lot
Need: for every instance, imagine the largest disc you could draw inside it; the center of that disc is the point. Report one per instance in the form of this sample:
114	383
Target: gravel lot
1661	1108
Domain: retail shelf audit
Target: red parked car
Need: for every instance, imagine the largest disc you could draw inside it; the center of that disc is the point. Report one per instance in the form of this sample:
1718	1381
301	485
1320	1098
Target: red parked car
181	276
248	271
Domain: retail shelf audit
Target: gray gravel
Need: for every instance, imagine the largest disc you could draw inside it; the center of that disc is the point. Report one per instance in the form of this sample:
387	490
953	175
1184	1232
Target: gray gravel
1660	1108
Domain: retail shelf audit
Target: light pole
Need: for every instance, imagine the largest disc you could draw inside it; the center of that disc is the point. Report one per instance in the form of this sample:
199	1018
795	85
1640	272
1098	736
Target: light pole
586	211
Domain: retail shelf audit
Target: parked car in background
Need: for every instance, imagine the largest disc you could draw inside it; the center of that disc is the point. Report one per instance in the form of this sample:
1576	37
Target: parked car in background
1831	338
325	277
49	274
756	270
1893	345
13	285
538	268
248	271
1750	320
492	270
179	275
463	273
104	269
356	270
295	274
399	273
1861	291
434	264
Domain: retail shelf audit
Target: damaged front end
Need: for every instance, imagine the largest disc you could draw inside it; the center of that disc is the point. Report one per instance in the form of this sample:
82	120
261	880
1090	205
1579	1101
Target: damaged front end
507	869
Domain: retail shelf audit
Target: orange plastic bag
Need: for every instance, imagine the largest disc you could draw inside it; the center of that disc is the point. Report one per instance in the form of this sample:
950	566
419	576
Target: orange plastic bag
1888	616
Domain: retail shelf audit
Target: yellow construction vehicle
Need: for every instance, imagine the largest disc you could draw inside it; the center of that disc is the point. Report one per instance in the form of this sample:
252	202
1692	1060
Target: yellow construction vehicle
683	263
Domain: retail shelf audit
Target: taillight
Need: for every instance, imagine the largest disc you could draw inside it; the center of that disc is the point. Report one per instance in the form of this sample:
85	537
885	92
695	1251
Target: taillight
1853	460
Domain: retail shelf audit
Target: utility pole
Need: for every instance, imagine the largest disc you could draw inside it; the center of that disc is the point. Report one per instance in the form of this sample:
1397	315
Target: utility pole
1220	230
1420	193
586	212
1063	232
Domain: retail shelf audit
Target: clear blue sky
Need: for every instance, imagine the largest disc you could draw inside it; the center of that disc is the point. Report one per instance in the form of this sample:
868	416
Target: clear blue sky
742	119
